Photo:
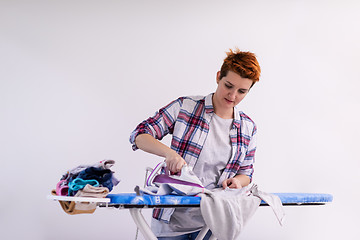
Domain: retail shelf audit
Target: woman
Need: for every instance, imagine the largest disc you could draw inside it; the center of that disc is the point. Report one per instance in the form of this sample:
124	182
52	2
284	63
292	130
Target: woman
208	133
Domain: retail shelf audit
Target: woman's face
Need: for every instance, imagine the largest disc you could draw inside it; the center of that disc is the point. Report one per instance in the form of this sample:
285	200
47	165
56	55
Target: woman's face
230	91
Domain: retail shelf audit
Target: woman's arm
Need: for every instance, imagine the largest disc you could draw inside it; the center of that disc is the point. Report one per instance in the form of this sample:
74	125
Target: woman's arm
148	143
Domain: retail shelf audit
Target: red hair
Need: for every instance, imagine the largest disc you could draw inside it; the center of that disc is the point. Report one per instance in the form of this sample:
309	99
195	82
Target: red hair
243	63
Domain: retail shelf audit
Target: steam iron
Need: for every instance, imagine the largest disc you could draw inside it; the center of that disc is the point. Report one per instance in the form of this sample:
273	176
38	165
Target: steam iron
185	177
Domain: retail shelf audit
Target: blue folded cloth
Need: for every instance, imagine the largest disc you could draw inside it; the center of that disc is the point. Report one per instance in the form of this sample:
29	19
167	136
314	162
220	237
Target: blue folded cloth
103	176
79	183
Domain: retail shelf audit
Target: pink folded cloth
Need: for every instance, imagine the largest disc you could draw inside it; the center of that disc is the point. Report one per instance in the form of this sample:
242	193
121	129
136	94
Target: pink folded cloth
62	188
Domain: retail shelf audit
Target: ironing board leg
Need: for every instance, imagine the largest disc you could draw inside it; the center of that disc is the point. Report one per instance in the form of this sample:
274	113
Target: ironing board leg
202	233
142	224
212	237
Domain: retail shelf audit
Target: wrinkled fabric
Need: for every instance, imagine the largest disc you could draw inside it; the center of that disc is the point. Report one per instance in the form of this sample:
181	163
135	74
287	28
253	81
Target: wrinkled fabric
226	212
273	201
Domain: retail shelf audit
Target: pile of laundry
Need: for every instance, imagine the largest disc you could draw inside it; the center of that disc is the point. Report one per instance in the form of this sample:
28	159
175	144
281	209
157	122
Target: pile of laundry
94	181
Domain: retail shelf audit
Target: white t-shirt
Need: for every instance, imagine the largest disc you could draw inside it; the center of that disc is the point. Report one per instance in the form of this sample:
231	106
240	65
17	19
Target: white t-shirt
213	158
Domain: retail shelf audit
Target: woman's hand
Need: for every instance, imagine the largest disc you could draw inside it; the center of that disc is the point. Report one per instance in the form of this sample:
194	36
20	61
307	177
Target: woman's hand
148	143
174	162
232	183
239	181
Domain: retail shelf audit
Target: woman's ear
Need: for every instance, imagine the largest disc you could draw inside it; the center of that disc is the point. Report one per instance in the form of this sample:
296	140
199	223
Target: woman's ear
218	77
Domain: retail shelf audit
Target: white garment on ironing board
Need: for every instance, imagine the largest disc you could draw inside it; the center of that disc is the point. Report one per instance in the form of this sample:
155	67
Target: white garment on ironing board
226	212
213	158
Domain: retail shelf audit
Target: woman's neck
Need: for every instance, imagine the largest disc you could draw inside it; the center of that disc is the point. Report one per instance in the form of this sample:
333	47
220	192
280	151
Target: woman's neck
223	113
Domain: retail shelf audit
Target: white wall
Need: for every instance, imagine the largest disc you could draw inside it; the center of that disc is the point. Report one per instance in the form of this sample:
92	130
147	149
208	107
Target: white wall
77	76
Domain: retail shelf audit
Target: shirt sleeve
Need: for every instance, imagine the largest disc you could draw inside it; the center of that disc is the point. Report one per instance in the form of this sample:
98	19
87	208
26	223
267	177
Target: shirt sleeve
246	167
161	124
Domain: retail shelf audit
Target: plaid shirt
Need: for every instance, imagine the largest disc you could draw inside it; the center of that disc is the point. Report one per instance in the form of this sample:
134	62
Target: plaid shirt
188	120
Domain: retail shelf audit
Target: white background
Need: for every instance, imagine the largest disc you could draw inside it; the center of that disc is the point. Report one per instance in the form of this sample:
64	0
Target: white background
77	76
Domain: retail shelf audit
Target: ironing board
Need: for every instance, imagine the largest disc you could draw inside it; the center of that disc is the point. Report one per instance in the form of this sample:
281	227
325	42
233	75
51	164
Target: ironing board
134	203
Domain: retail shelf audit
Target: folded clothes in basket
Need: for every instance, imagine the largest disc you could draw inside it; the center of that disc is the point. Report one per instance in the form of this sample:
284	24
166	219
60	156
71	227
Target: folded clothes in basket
73	207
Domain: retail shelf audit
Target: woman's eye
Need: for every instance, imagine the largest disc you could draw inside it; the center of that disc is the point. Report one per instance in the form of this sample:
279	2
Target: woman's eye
241	91
228	86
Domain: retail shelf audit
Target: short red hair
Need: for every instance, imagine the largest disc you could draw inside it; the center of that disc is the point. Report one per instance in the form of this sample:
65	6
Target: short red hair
243	63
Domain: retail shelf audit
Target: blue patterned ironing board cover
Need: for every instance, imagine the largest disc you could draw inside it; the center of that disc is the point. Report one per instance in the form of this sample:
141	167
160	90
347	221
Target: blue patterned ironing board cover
131	200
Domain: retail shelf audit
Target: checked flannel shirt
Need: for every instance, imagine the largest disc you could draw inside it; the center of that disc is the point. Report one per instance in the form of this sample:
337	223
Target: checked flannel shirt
188	120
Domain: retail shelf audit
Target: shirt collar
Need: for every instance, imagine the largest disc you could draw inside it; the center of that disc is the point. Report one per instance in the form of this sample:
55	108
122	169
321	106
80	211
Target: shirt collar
237	119
209	107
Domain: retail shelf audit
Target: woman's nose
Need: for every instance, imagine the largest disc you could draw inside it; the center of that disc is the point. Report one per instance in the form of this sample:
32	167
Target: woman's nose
232	95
